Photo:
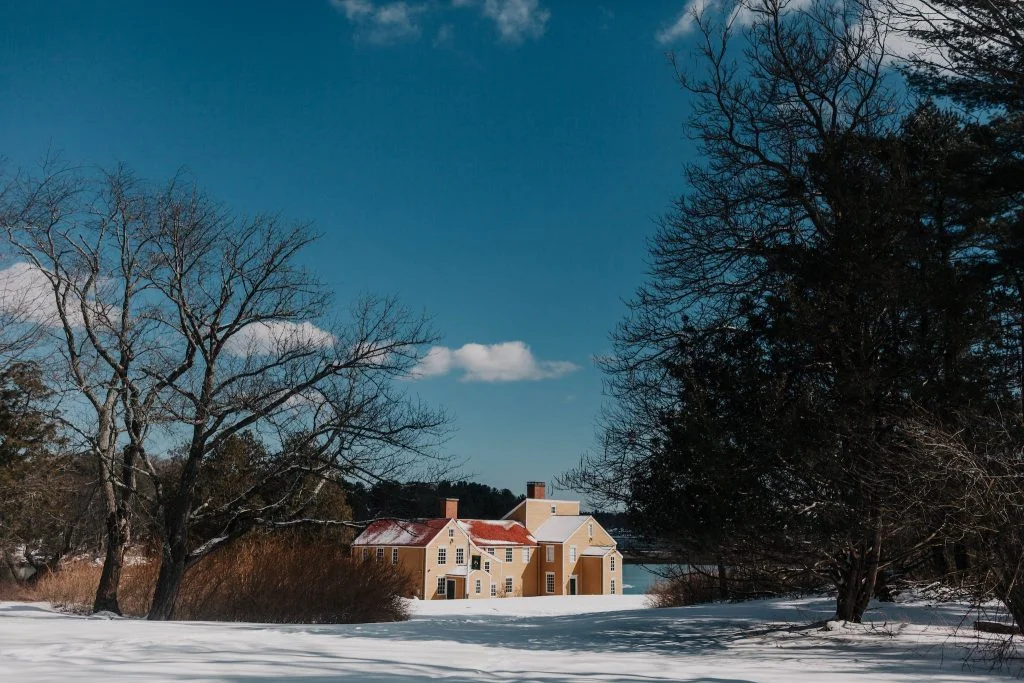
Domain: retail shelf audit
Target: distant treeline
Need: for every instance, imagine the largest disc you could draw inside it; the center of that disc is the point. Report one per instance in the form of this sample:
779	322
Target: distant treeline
423	499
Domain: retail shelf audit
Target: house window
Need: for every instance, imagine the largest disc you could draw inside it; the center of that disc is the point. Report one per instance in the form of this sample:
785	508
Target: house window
451	533
554	509
440	585
490	551
572	553
442	555
474	562
526	554
611	563
487	566
613	587
590	529
494	590
550	550
549	582
478	586
460	556
366	553
508	554
508	584
394	556
380	554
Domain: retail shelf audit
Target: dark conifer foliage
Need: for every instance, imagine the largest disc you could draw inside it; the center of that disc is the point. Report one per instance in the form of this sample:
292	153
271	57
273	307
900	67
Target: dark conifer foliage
827	278
422	499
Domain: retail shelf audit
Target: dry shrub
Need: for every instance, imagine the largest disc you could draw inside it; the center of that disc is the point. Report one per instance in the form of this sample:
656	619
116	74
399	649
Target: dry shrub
72	586
684	589
291	579
13	591
263	578
692	586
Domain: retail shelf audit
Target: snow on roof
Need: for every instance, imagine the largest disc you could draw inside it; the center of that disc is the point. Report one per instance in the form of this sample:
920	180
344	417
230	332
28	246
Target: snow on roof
559	528
597	550
400	532
485	532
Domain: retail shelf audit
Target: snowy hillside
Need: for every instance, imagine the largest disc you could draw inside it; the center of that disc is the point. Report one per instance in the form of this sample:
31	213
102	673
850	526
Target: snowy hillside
534	639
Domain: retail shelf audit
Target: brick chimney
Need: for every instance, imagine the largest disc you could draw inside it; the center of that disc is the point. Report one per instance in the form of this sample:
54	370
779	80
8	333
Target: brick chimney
535	489
450	508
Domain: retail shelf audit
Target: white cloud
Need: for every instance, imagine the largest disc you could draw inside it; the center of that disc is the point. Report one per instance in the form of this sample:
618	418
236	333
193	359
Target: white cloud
277	336
685	21
503	362
382	24
683	24
26	297
517	20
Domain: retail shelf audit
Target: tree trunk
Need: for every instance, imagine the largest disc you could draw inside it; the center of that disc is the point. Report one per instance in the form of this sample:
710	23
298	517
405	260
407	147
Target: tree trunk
174	555
858	581
723	581
118	536
1014	601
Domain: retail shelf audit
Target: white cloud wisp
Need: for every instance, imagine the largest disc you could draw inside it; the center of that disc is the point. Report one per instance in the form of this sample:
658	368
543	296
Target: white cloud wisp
383	24
386	22
278	336
503	362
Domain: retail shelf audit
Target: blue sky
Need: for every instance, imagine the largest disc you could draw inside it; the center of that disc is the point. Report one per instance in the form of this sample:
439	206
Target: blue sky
497	163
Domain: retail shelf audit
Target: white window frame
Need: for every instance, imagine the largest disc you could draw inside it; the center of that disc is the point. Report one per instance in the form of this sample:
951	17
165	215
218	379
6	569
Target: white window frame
442	555
380	554
442	586
590	529
460	556
487	566
549	551
549	582
613	587
526	555
394	556
478	586
611	562
490	551
451	532
572	553
554	509
494	590
508	554
509	585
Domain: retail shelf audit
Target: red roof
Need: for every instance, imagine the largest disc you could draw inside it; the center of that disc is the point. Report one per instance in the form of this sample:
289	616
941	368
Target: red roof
400	532
485	532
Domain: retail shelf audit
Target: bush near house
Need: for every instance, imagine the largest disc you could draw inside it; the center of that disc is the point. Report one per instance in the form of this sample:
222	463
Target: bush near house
265	578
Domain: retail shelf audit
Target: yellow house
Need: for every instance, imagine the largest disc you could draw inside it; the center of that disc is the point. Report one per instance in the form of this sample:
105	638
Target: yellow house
541	547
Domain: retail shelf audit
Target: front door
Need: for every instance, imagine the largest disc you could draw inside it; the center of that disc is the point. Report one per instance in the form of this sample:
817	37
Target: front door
449	592
572	585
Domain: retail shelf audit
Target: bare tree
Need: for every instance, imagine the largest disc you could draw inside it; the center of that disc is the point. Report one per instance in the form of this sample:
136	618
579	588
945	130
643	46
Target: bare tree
82	238
251	348
759	371
971	479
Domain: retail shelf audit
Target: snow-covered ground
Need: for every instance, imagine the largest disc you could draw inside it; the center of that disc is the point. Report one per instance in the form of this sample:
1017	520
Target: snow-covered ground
527	639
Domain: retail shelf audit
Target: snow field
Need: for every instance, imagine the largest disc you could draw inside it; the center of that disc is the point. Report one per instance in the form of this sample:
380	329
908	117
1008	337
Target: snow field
601	638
